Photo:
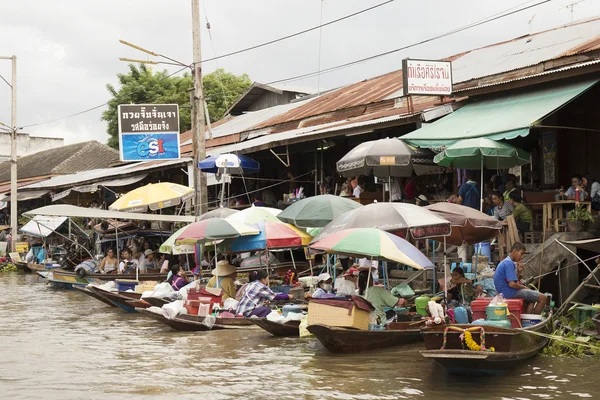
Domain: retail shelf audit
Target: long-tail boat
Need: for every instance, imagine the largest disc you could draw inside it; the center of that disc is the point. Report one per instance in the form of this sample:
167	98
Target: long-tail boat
194	323
511	347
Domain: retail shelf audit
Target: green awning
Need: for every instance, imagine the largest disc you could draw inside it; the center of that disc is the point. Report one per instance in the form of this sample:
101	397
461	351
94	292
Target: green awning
497	118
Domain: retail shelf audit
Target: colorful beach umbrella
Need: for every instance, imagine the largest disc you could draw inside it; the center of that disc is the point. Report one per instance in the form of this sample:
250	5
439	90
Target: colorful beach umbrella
400	218
254	215
214	229
170	247
317	211
154	196
373	243
229	163
273	235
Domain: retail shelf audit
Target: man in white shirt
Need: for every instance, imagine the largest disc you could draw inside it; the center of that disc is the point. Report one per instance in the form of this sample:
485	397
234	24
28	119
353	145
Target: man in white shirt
396	190
127	264
357	187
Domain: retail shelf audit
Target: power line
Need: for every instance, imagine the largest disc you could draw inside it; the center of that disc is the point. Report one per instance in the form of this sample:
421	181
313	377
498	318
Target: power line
297	33
494	17
359	61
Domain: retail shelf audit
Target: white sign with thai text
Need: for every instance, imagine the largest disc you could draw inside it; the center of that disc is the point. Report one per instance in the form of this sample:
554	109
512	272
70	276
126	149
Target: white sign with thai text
424	77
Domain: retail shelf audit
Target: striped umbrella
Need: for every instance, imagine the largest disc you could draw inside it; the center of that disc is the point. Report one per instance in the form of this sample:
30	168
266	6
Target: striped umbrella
170	247
373	243
214	229
273	235
155	196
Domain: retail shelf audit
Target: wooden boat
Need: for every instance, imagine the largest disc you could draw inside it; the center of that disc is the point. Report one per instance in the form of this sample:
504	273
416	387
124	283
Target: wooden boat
118	298
290	328
33	267
157	301
193	323
66	282
347	340
95	295
149	276
512	347
138	303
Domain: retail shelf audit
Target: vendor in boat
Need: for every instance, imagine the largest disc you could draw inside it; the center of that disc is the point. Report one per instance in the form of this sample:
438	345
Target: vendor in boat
378	297
108	263
346	284
177	280
127	265
182	260
506	280
463	290
324	287
255	295
224	278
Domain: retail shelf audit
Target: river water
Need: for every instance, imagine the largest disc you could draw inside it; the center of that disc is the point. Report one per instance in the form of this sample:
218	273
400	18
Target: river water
59	344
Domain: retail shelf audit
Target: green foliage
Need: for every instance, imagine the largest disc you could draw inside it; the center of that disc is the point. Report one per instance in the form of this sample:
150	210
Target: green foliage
144	86
221	90
580	213
568	339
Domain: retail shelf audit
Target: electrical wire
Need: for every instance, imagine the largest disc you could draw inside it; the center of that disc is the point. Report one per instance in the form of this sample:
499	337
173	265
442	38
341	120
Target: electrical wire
297	33
386	53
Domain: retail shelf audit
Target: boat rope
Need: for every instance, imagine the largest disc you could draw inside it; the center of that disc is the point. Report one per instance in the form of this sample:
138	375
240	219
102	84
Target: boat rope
467	337
565	267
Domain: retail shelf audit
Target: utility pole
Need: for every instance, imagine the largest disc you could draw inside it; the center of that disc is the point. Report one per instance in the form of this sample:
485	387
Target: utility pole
199	122
13	153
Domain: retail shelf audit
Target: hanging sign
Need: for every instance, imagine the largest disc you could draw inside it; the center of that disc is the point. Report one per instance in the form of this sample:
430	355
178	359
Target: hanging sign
426	77
148	132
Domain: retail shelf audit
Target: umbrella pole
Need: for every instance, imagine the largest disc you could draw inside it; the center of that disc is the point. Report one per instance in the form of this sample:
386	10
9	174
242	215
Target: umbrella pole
223	188
481	204
390	188
433	258
293	261
445	273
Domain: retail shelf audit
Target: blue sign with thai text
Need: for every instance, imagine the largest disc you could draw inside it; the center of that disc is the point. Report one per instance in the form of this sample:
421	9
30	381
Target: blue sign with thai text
149	146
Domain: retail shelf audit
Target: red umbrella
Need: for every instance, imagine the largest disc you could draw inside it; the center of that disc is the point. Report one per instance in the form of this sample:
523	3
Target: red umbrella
468	225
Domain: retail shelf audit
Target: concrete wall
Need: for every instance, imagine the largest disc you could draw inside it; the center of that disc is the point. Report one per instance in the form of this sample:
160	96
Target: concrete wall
27	144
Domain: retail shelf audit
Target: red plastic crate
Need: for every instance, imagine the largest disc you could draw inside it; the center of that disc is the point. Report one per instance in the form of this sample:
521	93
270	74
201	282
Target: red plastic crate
515	307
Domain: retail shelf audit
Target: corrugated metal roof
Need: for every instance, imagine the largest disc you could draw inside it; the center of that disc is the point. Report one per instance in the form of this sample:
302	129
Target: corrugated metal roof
528	50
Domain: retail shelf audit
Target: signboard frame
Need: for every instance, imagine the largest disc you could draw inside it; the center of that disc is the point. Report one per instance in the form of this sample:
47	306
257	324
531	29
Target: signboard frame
406	83
150	133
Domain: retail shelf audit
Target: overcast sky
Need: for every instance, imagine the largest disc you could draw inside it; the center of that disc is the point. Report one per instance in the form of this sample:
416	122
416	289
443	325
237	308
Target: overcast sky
68	50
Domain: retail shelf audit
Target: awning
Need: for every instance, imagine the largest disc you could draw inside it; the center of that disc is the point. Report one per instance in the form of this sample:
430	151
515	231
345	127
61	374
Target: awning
29	195
42	225
66	210
497	118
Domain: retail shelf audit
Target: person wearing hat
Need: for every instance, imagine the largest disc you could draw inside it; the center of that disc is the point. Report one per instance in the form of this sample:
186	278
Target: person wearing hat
147	263
223	278
346	284
324	287
421	201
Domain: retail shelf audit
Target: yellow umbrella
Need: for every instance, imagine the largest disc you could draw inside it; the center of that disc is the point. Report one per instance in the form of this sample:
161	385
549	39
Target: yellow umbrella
154	196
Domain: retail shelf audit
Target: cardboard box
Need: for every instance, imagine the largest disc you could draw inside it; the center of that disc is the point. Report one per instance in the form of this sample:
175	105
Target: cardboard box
337	316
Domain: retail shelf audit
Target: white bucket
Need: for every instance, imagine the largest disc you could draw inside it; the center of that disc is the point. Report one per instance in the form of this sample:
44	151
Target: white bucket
530	320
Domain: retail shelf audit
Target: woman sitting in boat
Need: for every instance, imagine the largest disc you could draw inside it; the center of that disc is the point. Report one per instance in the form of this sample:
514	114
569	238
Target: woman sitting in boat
108	263
378	297
463	290
223	278
346	284
177	280
324	287
255	295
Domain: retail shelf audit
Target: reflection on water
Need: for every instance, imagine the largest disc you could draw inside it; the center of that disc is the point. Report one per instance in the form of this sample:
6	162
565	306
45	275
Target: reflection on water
65	345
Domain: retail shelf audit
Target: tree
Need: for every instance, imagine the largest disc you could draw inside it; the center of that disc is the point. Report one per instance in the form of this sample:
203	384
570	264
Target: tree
221	90
144	86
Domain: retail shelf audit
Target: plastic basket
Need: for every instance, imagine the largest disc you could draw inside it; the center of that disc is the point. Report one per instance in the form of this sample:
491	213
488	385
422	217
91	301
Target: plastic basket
283	289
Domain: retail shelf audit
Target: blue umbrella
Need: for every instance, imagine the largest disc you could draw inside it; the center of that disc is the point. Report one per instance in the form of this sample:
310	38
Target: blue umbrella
229	163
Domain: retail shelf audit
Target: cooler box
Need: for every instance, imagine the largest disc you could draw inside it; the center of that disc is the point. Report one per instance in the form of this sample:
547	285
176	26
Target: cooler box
515	307
126	284
332	315
145	286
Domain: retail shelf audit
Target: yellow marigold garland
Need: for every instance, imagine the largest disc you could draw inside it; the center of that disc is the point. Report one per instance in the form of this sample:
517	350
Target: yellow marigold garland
472	344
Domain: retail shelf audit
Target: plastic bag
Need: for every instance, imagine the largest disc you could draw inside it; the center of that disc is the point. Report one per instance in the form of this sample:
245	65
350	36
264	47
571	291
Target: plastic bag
230	304
163	289
292	316
209	321
303	331
171	310
498	300
110	286
274	316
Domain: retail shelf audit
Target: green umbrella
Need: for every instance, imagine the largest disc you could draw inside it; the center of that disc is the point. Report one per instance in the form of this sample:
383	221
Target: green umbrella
170	247
317	211
478	153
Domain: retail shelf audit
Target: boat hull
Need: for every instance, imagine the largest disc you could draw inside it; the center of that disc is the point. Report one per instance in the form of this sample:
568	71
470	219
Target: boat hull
119	299
347	340
512	347
193	323
151	276
290	328
95	295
